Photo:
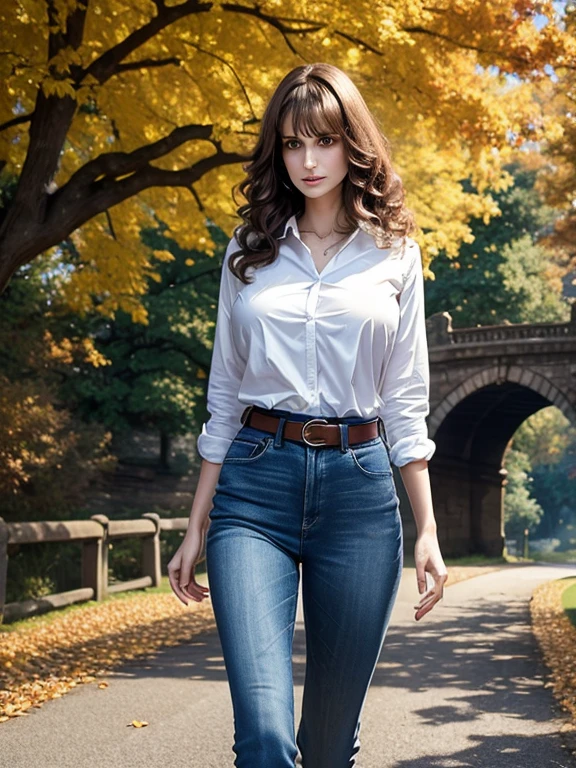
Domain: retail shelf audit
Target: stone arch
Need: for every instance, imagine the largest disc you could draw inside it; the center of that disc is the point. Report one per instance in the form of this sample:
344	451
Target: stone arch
526	377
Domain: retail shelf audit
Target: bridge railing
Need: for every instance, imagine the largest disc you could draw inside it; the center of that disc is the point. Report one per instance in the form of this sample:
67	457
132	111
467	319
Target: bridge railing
95	535
440	331
506	332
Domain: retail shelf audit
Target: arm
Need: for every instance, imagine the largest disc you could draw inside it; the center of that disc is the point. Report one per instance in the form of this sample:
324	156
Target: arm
226	371
181	568
406	404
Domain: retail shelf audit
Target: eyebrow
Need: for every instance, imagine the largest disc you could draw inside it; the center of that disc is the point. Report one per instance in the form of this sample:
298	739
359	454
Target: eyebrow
327	133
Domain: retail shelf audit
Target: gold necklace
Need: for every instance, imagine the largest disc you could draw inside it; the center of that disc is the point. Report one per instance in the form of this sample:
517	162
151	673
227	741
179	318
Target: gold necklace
323	237
336	243
325	252
312	232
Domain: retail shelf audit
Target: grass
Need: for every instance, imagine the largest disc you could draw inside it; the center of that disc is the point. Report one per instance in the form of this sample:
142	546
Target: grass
165	588
569	603
134	594
568	556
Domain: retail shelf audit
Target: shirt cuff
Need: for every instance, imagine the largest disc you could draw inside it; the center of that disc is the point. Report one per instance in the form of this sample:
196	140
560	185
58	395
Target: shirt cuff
212	447
412	448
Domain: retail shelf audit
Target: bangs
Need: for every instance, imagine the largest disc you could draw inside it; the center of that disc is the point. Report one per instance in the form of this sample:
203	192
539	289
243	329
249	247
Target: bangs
314	111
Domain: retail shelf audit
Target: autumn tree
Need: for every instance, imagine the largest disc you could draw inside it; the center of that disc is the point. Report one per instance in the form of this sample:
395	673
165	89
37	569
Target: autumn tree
557	179
157	372
48	454
548	441
505	274
112	112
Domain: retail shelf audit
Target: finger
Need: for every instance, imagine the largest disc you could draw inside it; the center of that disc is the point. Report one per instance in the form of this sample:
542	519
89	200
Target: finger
427	600
434	594
189	590
432	591
185	591
426	595
421	577
196	591
177	591
424	609
420	614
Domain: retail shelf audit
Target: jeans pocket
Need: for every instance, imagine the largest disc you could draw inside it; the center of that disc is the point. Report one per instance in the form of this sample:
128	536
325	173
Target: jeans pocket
372	458
247	449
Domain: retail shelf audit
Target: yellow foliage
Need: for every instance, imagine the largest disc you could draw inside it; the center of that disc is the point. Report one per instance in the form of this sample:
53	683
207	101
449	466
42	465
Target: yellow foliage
50	655
36	435
556	637
69	352
47	659
436	77
163	255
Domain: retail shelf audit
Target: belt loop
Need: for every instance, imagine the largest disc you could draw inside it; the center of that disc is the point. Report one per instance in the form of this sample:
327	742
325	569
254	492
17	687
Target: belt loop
246	414
279	432
343	436
382	432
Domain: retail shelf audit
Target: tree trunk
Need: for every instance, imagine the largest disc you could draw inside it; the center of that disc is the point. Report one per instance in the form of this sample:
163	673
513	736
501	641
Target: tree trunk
165	445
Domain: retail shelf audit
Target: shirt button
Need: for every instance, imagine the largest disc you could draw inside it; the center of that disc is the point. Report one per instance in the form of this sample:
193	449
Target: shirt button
309	316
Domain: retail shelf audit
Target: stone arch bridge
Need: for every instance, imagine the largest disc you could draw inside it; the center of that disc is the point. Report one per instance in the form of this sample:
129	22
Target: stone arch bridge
484	382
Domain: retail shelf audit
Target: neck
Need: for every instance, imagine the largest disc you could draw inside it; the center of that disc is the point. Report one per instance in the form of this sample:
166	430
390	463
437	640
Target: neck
322	214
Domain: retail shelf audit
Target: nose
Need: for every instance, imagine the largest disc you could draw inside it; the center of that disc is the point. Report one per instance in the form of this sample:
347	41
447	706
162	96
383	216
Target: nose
309	161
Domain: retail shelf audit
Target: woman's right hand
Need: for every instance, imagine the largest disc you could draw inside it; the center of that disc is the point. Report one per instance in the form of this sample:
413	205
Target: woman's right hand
181	568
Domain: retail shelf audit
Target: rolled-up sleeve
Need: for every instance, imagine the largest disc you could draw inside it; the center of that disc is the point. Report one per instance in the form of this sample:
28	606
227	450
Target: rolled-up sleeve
406	389
226	373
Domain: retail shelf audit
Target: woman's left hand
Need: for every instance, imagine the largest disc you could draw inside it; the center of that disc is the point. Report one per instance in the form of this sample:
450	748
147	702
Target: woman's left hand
429	560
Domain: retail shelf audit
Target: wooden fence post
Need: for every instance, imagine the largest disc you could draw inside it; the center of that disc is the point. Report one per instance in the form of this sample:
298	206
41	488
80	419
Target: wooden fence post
3	565
95	561
151	552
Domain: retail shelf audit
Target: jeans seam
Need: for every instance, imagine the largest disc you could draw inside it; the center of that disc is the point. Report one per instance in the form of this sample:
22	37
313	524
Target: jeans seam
247	459
386	473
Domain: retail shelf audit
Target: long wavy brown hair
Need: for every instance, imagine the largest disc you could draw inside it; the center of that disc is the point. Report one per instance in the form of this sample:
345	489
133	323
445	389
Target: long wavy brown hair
321	99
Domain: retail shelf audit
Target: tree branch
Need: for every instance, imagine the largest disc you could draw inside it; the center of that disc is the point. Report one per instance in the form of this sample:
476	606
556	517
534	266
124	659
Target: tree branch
357	41
82	198
16	121
147	63
122	163
461	44
222	60
106	65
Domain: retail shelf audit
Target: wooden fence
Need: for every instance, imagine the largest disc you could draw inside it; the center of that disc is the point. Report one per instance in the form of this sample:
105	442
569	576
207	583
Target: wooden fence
95	535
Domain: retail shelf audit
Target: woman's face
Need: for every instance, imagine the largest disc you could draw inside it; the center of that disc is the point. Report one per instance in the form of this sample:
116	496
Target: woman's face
320	156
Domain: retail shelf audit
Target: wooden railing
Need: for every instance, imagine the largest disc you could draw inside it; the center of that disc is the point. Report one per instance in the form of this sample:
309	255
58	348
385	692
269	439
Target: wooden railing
95	535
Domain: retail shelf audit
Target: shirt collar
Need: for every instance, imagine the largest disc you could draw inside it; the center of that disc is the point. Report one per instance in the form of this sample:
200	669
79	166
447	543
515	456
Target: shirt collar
292	224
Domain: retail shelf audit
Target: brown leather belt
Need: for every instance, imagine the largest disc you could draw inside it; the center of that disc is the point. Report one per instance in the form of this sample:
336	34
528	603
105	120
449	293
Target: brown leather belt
314	432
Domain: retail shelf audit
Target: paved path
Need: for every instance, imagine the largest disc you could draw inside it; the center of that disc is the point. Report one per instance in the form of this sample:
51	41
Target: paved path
463	688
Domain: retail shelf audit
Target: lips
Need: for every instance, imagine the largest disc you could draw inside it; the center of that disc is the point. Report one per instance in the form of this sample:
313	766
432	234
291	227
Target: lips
313	178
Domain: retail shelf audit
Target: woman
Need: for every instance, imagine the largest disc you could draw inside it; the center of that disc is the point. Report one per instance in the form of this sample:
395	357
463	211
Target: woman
318	384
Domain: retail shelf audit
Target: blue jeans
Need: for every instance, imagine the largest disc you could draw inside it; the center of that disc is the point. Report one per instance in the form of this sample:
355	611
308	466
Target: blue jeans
278	504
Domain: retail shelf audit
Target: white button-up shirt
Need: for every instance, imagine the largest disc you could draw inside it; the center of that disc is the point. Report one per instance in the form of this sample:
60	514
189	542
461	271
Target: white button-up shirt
348	341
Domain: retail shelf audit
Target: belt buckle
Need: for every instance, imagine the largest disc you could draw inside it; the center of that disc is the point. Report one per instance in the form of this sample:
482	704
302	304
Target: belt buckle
307	424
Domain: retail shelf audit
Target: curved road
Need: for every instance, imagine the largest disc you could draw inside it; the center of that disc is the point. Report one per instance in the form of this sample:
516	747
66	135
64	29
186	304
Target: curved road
463	688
